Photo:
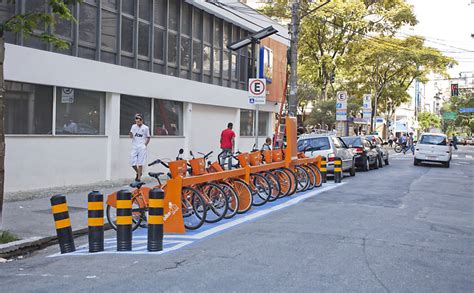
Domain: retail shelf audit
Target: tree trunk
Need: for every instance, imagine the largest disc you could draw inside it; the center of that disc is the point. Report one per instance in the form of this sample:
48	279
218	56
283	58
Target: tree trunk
2	125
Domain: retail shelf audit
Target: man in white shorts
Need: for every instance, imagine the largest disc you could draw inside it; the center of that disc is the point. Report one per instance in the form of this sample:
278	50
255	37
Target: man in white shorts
140	135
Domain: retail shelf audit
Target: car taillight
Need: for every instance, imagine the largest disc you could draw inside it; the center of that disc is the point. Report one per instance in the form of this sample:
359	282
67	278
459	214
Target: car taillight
358	150
331	157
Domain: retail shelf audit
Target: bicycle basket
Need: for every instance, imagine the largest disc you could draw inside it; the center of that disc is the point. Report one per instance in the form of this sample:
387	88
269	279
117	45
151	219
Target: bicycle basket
198	166
255	158
267	155
243	159
216	167
277	156
178	168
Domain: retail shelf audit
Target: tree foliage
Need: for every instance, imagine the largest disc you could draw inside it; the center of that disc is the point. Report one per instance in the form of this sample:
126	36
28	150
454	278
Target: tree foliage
463	120
387	66
427	120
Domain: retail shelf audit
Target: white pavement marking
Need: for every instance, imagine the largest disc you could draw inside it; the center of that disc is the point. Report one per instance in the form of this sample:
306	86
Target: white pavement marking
174	242
469	156
455	156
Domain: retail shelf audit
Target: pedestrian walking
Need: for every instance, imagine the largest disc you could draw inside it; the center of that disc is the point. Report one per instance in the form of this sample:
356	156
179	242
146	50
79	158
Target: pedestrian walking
403	142
140	135
455	141
267	146
391	139
227	145
409	144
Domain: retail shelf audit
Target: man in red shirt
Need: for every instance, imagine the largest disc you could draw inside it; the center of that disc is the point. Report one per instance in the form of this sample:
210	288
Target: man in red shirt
227	144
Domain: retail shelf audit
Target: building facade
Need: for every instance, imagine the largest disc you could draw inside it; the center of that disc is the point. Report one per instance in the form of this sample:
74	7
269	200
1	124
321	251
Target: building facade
68	112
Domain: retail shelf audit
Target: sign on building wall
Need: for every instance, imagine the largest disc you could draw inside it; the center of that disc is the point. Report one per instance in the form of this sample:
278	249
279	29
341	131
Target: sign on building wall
367	107
257	91
67	96
266	64
341	106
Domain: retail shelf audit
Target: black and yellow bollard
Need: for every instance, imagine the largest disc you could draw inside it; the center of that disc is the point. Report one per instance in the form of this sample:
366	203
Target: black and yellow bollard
337	170
124	220
155	219
95	213
323	170
62	223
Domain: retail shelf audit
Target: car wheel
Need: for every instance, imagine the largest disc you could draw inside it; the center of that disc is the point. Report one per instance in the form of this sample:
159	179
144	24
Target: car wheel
446	164
386	161
380	161
376	164
416	162
366	164
352	171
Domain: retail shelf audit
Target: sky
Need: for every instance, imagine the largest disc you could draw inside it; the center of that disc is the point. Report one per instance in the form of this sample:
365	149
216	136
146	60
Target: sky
447	25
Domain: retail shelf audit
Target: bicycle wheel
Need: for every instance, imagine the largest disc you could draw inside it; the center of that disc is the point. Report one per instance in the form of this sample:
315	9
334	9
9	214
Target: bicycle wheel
217	202
285	182
193	208
312	177
275	185
261	189
244	193
302	179
232	199
138	214
319	180
398	148
292	176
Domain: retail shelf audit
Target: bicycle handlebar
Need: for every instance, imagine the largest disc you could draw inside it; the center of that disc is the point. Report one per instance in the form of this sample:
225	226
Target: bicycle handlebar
158	162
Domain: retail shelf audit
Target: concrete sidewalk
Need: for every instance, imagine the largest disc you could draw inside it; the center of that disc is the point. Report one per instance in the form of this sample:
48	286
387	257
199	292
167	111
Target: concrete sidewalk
32	220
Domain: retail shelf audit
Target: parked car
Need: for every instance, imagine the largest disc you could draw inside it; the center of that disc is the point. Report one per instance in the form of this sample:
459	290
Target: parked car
461	140
433	147
329	146
365	154
469	140
381	148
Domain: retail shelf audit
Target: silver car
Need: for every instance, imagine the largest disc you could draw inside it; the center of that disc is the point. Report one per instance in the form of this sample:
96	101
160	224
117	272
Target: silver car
329	146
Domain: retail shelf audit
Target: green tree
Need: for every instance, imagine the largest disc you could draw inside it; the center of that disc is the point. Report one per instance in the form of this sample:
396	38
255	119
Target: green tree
427	120
387	66
26	24
463	120
326	34
324	112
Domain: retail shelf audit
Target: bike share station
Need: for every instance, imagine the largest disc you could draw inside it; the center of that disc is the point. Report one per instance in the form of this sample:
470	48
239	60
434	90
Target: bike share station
262	182
165	231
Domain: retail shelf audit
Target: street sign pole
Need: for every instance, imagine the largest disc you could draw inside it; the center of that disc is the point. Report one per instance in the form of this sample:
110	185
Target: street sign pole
256	72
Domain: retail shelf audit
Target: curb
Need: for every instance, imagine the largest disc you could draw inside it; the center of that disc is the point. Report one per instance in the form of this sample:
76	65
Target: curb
25	246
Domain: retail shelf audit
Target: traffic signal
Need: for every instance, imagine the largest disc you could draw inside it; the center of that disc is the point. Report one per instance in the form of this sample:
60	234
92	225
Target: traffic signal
454	90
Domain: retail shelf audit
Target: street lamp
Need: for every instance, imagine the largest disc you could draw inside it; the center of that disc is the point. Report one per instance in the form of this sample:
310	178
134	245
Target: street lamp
253	40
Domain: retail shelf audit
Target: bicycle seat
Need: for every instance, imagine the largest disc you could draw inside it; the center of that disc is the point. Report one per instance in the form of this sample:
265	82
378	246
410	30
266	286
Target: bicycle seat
155	175
137	184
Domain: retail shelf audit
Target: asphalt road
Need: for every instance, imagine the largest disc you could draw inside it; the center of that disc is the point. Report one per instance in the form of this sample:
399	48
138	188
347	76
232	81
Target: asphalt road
397	229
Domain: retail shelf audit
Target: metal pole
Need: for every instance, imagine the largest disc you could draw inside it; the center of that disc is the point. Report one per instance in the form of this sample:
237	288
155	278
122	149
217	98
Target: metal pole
295	22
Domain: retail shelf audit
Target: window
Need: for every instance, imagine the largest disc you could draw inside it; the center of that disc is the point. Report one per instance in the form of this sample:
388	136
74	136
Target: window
109	4
168	117
433	140
129	106
247	123
185	51
80	112
197	60
87	23
185	19
159	43
160	12
128	7
313	144
109	30
172	47
127	34
217	62
143	39
28	108
207	60
173	15
197	24
207	28
336	142
144	9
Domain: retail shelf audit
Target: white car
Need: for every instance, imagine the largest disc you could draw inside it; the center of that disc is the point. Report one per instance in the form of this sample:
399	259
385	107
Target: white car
433	147
329	146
